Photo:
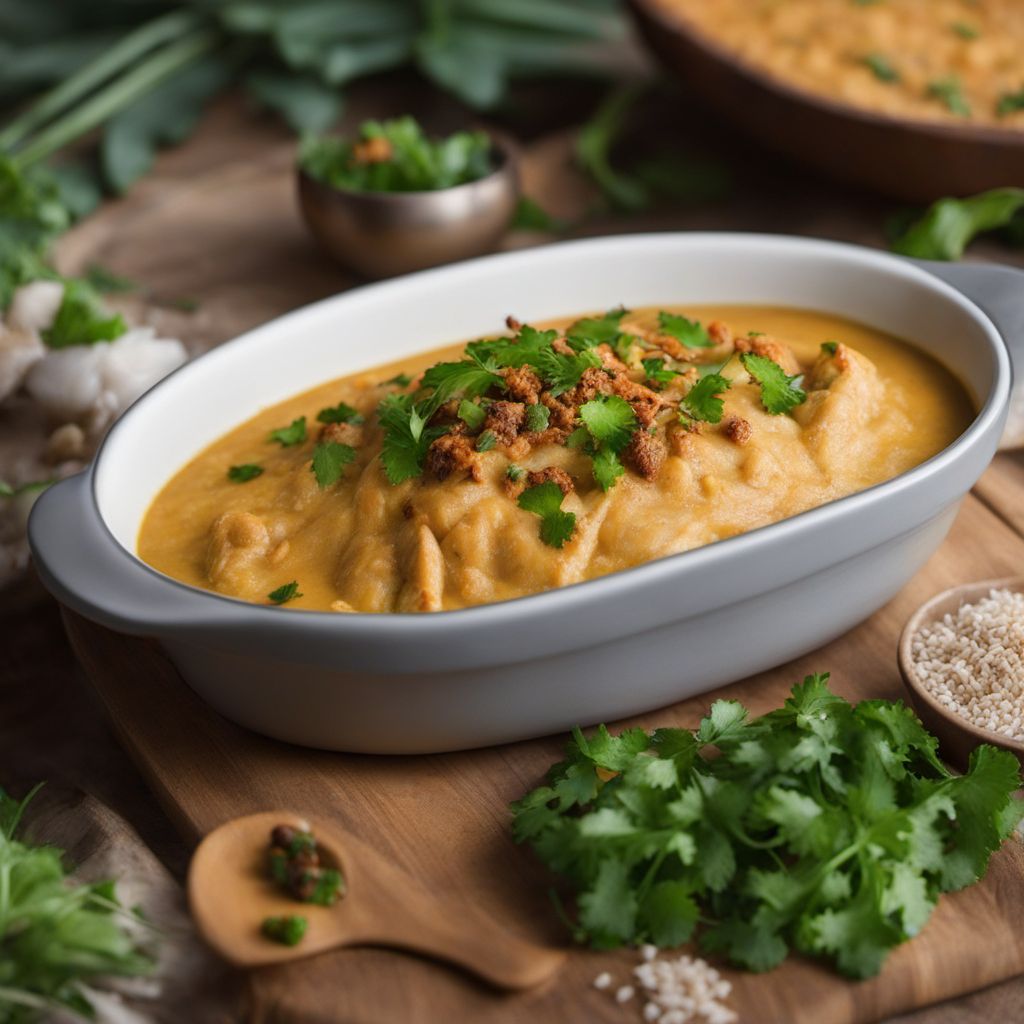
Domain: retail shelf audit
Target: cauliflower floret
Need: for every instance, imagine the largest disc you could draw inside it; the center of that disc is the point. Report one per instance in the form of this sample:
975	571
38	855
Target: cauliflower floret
34	306
95	383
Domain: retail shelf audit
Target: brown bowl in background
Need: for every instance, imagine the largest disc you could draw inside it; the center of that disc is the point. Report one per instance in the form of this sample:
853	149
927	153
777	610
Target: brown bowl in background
908	159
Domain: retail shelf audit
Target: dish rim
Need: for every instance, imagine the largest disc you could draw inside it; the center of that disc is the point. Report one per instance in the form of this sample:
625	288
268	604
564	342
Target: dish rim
525	607
678	23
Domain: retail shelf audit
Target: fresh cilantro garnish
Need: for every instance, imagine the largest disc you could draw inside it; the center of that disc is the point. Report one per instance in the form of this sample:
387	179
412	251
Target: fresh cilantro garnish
471	414
515	473
289	930
609	421
778	392
522	350
400	380
596	330
244	473
1010	103
56	935
703	401
819	826
545	500
657	371
329	461
537	417
468	378
690	332
340	413
486	441
965	30
406	437
950	92
830	348
328	888
81	319
294	433
285	592
881	67
562	372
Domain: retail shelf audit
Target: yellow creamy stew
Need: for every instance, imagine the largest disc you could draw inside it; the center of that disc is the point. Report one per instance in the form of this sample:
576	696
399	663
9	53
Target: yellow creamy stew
543	457
951	60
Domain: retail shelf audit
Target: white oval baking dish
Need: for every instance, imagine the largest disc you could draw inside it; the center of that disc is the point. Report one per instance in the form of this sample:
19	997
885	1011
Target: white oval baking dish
599	650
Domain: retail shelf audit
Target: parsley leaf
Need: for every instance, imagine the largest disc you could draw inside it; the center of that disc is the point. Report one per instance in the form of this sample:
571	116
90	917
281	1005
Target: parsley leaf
406	437
778	392
81	319
545	500
329	461
244	473
294	433
703	402
285	592
690	332
820	826
537	417
340	413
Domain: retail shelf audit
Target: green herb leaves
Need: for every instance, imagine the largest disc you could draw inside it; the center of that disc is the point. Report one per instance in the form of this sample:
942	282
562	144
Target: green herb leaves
822	827
329	461
778	392
545	500
244	473
340	413
609	421
881	67
396	156
703	401
406	437
294	433
288	931
689	332
949	225
81	319
537	417
55	935
284	593
950	93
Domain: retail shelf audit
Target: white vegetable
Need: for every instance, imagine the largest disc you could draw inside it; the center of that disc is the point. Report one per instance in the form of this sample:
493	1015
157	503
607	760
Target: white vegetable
19	352
34	306
95	383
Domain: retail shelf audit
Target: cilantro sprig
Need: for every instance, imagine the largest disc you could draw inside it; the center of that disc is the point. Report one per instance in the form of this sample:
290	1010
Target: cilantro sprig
608	425
821	827
244	473
406	437
329	461
703	402
293	434
690	333
779	393
545	500
340	413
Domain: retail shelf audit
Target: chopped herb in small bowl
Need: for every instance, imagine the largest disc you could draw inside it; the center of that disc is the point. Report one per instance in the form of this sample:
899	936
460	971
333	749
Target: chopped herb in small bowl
392	199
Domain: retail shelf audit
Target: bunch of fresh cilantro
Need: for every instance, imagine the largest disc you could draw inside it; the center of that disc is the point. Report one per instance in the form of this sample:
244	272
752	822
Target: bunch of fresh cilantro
416	163
55	936
821	827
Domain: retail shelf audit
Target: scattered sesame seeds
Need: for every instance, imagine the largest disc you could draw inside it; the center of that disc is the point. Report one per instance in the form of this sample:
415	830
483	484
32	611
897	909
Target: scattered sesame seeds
972	662
681	991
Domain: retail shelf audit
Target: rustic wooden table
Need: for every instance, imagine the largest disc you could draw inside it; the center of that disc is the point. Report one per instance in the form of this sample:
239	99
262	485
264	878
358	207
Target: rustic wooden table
217	225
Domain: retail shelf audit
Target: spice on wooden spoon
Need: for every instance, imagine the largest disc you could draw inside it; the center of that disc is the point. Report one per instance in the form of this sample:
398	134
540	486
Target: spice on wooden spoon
231	895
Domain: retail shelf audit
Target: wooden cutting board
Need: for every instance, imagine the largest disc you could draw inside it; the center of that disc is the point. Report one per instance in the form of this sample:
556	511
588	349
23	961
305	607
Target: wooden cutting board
444	819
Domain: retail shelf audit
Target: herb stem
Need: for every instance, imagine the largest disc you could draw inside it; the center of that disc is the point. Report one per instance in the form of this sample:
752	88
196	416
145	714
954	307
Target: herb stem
91	75
118	95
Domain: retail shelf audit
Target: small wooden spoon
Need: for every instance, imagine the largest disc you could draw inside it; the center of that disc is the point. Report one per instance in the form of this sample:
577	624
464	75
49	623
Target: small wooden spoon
230	894
957	736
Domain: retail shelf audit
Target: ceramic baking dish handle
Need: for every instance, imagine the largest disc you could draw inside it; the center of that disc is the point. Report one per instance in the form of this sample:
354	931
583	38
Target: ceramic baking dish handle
999	291
85	568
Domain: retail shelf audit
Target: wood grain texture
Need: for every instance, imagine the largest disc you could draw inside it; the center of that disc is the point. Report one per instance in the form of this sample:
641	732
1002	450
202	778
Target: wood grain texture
444	820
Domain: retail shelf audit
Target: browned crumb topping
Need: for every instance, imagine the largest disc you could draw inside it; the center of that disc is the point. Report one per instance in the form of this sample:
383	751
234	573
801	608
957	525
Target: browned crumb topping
737	429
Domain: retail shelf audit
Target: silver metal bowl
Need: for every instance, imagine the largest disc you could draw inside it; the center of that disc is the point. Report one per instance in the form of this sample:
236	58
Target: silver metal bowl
380	234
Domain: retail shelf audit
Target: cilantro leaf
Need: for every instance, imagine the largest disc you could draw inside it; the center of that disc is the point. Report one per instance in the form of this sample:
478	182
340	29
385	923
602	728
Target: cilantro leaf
545	500
284	593
950	93
537	417
515	473
881	67
486	441
81	319
472	414
702	402
340	413
596	330
657	371
329	461
467	378
778	392
406	437
689	332
607	468
610	420
400	380
608	909
562	372
293	434
668	914
244	473
1010	103
522	350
